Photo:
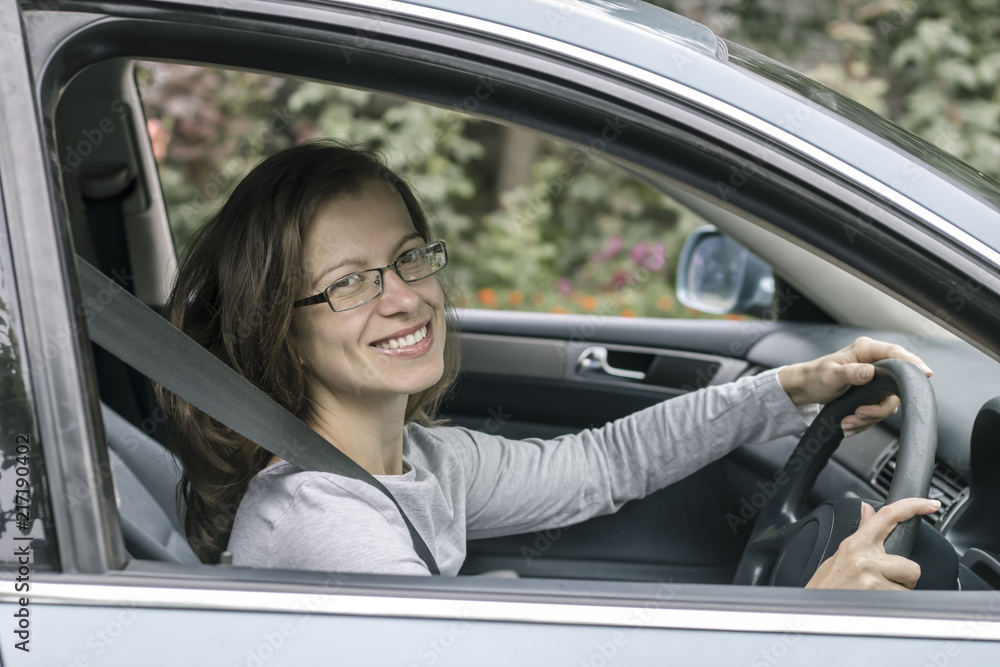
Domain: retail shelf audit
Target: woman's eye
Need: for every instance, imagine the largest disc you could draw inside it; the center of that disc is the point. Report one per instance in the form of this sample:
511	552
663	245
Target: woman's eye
347	284
410	257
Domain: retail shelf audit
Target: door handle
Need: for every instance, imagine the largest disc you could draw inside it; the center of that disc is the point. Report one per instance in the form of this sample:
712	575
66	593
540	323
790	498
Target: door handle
595	360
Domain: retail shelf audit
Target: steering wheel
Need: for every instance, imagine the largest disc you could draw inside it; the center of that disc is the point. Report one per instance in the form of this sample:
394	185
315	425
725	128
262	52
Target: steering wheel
786	548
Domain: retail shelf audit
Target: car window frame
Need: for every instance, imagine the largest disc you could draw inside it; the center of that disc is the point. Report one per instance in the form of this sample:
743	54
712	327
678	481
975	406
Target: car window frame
86	38
80	487
35	549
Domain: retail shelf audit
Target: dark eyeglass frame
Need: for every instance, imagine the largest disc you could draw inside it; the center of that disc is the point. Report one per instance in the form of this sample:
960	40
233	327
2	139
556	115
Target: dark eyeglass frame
325	294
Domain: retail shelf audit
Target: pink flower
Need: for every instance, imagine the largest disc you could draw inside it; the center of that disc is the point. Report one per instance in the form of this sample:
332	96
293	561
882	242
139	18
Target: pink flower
657	257
612	248
564	285
639	252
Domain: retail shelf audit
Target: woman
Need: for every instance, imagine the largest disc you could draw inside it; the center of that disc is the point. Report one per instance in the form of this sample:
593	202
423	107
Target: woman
317	281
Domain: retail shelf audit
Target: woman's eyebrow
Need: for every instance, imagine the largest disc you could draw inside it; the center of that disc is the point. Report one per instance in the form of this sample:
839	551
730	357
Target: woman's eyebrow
355	261
406	239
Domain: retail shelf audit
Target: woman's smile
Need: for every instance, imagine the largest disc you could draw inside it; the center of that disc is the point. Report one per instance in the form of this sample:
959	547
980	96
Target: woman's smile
411	342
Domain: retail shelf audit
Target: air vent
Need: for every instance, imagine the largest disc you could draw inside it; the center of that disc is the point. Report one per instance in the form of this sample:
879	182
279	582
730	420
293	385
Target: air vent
947	485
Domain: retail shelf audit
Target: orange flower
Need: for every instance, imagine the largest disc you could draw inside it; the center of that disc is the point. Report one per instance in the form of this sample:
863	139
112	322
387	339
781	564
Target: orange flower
559	310
589	303
537	298
627	312
515	298
487	296
734	316
665	302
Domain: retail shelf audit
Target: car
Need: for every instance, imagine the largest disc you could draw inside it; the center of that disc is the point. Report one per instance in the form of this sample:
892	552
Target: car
824	222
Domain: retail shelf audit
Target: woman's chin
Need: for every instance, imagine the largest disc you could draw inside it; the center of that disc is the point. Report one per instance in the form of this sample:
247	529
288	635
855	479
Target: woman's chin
412	380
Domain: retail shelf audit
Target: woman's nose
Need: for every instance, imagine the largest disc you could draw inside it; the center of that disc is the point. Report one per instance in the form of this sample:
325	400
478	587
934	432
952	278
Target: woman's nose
397	295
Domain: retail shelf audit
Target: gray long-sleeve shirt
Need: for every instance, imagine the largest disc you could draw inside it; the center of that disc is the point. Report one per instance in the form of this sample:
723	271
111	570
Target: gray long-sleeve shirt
461	484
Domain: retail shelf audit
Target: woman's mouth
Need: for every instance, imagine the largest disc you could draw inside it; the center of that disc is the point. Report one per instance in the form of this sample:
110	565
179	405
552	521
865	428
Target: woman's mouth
408	343
408	340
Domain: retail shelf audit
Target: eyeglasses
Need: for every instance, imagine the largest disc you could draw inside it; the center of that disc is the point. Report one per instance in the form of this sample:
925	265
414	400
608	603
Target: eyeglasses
359	288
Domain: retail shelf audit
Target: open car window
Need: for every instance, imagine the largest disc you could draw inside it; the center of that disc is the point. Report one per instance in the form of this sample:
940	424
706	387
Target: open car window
536	226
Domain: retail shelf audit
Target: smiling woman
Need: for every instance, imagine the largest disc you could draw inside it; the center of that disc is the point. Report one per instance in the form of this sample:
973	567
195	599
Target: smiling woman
300	220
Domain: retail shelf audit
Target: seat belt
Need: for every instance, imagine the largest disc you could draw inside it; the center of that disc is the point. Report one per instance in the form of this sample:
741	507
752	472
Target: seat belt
125	327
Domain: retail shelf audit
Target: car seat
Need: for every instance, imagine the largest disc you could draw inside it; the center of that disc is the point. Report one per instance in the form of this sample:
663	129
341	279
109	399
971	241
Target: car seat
146	476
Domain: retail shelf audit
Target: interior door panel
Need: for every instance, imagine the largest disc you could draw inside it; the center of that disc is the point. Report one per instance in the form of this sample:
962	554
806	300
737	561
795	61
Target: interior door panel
542	378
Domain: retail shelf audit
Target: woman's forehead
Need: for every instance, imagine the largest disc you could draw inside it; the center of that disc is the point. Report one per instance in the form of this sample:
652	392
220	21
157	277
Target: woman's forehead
364	225
370	212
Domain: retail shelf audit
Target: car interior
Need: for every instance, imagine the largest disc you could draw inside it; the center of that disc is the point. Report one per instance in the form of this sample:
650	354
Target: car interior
523	374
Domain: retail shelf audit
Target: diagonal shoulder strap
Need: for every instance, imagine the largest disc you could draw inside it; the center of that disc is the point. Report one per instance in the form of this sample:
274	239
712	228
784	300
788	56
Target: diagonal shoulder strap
126	328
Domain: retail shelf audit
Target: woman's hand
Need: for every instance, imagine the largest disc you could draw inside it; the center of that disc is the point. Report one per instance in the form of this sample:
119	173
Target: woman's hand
826	378
861	561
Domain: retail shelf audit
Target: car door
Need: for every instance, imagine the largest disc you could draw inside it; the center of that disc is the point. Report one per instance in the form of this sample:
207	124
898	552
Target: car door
161	613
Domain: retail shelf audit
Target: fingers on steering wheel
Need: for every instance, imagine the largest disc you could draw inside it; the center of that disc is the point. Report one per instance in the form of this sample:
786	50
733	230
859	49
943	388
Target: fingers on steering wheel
867	416
868	350
880	525
902	571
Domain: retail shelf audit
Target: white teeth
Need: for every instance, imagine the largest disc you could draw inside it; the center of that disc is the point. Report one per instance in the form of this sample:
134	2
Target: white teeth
405	341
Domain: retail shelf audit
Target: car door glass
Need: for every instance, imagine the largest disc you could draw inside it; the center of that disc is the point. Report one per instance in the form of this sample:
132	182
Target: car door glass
532	224
27	536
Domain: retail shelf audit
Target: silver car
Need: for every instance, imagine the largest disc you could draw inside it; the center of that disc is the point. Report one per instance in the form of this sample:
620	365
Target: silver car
824	221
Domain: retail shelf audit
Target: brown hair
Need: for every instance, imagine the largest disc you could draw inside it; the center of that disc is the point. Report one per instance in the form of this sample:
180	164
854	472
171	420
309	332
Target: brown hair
234	295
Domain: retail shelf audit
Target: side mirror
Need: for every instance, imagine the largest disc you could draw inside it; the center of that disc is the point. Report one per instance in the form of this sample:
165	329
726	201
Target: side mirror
717	275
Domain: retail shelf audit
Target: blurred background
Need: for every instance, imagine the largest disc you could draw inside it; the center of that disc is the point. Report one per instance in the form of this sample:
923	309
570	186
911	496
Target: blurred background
522	235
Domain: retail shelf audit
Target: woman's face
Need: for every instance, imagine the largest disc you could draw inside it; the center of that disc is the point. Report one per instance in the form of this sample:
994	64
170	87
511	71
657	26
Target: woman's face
343	351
